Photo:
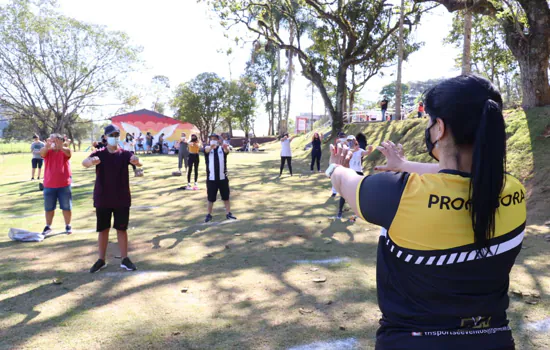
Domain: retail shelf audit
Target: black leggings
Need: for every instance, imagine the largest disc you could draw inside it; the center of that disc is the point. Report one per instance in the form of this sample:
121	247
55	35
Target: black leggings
193	159
316	157
342	200
289	160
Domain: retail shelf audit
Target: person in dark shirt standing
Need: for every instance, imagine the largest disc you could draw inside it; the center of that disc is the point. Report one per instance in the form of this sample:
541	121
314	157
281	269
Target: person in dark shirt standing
316	151
112	195
215	155
384	107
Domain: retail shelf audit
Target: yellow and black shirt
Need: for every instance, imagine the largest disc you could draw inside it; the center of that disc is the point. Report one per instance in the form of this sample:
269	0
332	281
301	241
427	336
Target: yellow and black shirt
435	290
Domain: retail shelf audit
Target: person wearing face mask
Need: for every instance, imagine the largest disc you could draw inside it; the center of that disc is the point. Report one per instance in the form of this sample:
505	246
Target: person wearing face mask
215	155
112	196
286	153
57	181
451	230
316	151
193	160
355	164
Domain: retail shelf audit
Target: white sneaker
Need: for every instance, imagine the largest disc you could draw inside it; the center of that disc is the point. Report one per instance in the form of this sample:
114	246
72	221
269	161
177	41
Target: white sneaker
196	185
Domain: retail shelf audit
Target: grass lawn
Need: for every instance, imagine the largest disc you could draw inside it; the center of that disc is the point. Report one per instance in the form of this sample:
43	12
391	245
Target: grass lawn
250	285
15	147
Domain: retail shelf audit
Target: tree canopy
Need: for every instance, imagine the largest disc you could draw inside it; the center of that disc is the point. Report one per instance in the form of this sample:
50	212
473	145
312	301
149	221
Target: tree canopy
52	68
330	37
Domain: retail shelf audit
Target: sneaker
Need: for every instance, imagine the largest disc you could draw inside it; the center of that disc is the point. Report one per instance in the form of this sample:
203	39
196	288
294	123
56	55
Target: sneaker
99	265
196	185
208	218
127	264
339	216
230	216
189	185
333	195
38	178
32	178
47	230
68	229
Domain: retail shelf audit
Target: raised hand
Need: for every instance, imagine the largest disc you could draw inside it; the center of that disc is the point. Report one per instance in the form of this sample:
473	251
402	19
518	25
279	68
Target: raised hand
395	157
340	155
134	160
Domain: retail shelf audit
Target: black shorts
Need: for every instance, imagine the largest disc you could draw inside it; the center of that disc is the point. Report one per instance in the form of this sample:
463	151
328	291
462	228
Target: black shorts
212	188
37	163
103	215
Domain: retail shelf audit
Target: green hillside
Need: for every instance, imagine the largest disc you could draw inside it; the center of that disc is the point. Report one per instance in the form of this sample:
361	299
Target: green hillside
528	150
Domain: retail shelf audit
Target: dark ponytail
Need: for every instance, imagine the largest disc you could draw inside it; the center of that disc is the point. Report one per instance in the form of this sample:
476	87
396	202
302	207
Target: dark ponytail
488	172
471	108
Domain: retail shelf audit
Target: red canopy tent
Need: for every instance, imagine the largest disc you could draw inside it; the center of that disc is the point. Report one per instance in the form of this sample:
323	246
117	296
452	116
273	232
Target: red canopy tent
143	121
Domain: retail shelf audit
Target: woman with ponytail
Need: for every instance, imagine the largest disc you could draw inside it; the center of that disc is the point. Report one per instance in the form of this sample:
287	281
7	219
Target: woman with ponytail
451	230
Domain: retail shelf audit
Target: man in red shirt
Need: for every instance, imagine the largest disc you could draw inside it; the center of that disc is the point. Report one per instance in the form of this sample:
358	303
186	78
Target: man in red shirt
57	181
112	195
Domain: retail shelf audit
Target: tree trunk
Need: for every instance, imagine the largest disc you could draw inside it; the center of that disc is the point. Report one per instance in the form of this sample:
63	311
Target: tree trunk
398	91
290	71
230	129
279	91
466	47
338	113
532	52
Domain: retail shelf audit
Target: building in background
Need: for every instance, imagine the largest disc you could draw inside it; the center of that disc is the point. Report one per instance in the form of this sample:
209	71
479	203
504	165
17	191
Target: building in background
304	122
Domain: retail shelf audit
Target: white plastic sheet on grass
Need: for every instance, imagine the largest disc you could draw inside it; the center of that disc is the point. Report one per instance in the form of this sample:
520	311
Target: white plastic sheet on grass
20	235
342	344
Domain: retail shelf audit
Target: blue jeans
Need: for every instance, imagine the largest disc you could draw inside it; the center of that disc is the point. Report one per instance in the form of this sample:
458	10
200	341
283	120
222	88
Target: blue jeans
62	194
383	114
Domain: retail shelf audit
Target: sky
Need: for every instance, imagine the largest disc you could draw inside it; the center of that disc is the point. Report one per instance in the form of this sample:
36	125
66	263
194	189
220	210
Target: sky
181	39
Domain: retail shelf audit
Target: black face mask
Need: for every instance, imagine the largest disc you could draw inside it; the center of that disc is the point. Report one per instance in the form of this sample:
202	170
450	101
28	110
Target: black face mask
429	144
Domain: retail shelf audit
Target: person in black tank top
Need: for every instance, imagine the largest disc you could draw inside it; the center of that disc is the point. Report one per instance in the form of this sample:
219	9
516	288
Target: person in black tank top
451	230
316	151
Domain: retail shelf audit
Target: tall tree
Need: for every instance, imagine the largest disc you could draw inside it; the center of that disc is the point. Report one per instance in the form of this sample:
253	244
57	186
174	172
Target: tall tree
52	68
526	26
344	33
201	101
262	70
490	56
160	87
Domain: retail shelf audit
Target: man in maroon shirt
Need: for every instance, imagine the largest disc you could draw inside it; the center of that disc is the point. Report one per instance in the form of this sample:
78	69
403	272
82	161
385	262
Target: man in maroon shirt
112	195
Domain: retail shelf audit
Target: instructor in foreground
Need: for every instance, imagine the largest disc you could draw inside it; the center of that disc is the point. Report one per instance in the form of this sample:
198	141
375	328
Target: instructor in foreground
451	230
112	195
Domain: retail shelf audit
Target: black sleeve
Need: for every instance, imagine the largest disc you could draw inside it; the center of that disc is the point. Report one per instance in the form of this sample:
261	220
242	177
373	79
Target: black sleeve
379	196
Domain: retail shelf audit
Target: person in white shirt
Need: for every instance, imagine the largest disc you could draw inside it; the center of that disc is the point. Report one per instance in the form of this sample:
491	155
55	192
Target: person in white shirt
356	164
129	145
215	155
286	153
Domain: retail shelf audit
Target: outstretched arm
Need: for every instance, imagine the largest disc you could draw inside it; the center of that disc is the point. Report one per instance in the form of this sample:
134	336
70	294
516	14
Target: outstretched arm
396	161
90	161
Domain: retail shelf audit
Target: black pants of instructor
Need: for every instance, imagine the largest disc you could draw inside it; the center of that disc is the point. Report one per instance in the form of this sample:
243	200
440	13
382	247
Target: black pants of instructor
192	160
316	157
283	160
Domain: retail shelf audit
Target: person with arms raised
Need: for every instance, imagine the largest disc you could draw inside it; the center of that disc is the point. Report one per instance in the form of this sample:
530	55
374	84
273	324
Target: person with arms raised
57	181
451	230
112	196
215	155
